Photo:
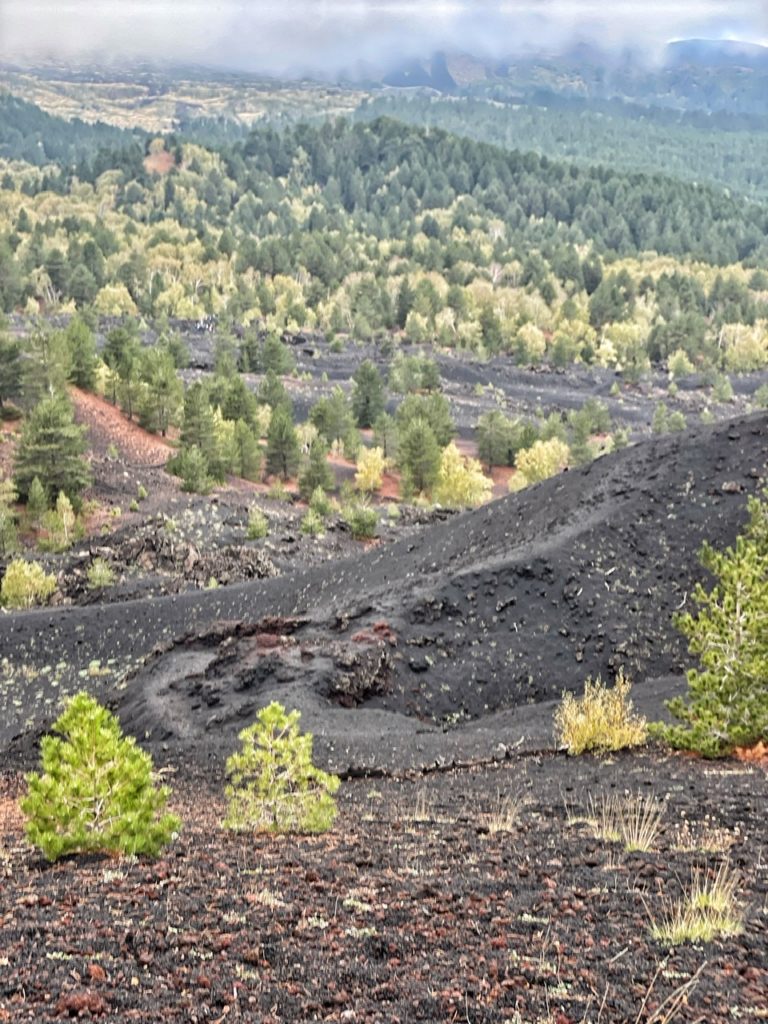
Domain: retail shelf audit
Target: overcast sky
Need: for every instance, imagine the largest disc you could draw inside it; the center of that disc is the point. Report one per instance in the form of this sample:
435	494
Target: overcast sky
279	36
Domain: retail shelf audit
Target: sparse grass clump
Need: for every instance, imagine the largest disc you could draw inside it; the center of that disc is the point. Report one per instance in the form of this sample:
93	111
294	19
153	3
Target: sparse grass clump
632	819
274	786
278	492
505	814
25	584
95	791
258	525
707	910
602	720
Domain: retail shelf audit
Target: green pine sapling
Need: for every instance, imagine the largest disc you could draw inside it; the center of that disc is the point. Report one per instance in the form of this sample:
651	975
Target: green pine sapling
274	787
96	791
727	703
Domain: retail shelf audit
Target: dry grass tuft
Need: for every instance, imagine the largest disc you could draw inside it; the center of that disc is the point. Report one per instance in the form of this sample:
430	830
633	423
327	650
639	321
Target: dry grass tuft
633	819
707	910
505	814
602	720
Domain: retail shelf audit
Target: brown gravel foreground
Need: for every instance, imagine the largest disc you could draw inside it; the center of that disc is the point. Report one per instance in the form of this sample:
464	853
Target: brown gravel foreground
414	908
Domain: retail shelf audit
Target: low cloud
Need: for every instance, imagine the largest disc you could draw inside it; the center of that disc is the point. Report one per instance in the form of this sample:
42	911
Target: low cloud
331	36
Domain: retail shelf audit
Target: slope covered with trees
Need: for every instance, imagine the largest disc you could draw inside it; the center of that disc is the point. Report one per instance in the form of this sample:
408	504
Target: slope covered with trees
720	149
368	229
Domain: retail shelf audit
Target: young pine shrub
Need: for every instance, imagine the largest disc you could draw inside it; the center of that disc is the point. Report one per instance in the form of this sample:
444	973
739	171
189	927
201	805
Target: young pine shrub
95	791
312	524
25	584
727	701
321	503
100	574
602	720
258	525
361	520
274	787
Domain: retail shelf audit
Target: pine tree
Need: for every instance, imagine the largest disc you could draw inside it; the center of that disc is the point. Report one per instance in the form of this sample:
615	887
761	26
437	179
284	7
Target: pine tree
316	471
248	458
494	439
162	395
82	351
273	393
385	435
51	447
198	426
368	394
727	702
418	456
433	409
282	444
276	357
95	790
10	368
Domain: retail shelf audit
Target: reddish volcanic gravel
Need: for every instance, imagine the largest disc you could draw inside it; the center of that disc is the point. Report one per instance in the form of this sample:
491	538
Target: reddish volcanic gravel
413	908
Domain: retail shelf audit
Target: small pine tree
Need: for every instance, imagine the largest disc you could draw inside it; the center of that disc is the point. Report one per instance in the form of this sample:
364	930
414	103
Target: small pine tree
361	520
418	456
274	787
282	444
312	523
368	394
37	501
51	448
316	472
320	502
727	703
100	574
192	466
276	357
95	791
258	525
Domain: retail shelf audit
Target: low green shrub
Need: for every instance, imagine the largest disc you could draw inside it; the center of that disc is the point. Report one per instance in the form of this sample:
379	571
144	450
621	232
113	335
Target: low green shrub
320	502
312	524
25	584
258	525
100	574
361	520
95	791
274	787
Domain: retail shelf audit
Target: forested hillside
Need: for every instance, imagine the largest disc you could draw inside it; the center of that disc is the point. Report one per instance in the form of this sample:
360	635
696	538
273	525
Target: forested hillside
28	133
370	228
719	149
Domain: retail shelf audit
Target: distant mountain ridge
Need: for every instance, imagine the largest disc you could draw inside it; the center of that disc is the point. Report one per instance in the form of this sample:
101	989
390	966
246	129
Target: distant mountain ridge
694	74
716	53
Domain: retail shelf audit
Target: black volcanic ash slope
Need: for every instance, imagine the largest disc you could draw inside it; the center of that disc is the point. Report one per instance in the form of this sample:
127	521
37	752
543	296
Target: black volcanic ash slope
492	610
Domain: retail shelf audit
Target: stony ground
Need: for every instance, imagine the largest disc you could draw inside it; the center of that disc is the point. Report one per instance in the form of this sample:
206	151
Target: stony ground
478	895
